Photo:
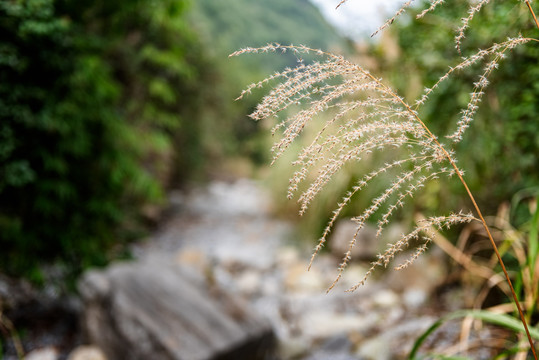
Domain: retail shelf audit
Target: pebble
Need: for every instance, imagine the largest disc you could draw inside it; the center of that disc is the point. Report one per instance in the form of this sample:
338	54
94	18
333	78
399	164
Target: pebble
415	298
298	279
294	348
386	298
87	352
375	349
249	283
46	353
325	324
367	246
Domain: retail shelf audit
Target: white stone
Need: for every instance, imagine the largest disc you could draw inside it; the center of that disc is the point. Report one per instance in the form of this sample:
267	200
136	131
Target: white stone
46	353
414	298
286	256
352	275
293	348
298	279
375	349
366	246
87	352
385	298
322	325
249	282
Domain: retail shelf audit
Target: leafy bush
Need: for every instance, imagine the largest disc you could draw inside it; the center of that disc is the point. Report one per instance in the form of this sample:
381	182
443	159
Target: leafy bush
93	98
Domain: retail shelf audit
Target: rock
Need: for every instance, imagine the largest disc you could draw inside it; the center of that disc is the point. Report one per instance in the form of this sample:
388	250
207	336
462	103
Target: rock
157	310
287	256
325	324
415	298
351	276
87	352
337	343
241	197
193	258
293	347
375	349
323	355
426	273
386	298
15	292
338	347
298	279
249	282
47	353
366	247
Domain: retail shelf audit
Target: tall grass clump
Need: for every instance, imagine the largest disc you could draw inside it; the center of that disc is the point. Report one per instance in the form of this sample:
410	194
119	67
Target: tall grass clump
366	117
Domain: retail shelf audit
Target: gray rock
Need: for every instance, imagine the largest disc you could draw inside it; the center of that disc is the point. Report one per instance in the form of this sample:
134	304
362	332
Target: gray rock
156	310
426	273
325	324
366	247
15	292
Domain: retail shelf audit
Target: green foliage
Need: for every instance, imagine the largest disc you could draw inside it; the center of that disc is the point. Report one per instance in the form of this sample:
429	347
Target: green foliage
93	98
504	135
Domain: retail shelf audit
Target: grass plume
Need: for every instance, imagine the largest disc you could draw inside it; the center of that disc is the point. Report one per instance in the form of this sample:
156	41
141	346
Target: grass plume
366	116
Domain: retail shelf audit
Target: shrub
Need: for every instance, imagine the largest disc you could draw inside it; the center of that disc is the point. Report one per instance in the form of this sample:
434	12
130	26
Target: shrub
93	97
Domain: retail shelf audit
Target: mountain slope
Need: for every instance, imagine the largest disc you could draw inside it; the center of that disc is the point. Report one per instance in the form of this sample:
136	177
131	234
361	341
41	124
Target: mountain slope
230	25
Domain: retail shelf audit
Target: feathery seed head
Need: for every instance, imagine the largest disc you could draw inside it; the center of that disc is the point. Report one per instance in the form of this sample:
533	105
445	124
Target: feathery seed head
365	117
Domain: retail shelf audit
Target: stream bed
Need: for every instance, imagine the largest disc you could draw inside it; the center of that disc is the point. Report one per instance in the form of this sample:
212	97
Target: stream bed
229	233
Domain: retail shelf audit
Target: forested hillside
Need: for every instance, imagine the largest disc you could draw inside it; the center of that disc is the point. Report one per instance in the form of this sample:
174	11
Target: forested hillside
234	24
224	27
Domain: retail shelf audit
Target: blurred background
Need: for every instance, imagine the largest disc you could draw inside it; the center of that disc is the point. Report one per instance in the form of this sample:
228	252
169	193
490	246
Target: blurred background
120	141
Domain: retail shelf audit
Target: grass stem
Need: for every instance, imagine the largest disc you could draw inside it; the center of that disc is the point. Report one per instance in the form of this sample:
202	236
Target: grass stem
477	209
533	14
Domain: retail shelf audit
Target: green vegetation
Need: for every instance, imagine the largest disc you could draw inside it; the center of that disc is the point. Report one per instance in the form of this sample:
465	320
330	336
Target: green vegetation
103	105
504	136
94	97
222	31
417	140
261	22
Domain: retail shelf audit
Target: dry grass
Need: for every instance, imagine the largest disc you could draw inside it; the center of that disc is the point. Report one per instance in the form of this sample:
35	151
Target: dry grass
368	117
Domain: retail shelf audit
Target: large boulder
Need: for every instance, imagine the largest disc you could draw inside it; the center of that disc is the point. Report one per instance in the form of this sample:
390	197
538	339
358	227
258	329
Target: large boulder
159	310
